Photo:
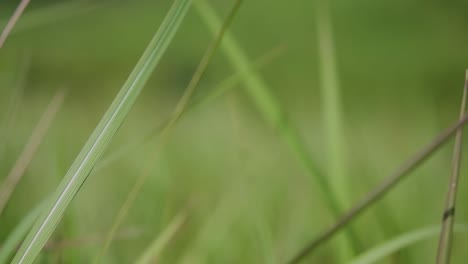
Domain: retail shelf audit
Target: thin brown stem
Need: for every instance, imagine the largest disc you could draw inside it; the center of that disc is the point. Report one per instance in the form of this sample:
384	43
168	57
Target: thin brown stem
22	74
11	23
29	150
386	185
445	239
165	133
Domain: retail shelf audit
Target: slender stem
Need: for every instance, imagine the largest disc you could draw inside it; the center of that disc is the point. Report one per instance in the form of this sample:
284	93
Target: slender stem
445	239
223	87
331	109
17	171
386	185
102	135
165	132
332	118
11	23
22	74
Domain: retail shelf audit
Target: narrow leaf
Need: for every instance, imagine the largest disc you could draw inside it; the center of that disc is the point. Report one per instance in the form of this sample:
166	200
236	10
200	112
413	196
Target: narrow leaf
272	110
27	154
380	252
102	135
180	108
11	23
154	250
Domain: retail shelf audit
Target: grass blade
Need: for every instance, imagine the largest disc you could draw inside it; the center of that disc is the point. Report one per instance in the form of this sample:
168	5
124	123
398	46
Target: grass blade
14	101
29	150
331	106
386	185
220	89
102	135
11	23
332	117
21	230
175	116
445	240
152	253
265	101
378	253
272	111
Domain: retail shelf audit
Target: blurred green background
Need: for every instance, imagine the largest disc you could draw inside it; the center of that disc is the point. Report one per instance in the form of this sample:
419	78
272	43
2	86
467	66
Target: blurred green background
401	67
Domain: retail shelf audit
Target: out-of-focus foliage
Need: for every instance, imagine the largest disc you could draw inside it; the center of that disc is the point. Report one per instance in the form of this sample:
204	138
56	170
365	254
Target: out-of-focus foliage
401	66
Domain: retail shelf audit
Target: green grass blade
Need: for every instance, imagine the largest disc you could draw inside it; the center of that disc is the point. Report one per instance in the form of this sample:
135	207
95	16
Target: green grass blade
16	237
257	88
235	79
332	117
11	109
153	252
180	108
331	102
264	99
270	108
378	253
102	135
10	245
8	185
223	87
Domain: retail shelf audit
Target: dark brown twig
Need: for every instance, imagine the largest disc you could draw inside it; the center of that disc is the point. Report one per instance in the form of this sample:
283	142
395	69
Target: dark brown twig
445	239
386	185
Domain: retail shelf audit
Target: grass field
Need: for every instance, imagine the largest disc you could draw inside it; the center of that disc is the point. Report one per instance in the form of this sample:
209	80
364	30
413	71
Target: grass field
302	110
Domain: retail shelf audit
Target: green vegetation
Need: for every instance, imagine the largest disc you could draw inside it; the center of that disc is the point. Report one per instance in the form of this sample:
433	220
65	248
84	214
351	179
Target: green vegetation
303	109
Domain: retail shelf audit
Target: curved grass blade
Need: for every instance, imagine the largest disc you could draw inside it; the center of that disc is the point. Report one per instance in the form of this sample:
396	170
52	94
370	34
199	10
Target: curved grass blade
380	252
102	135
386	185
272	111
165	133
445	240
